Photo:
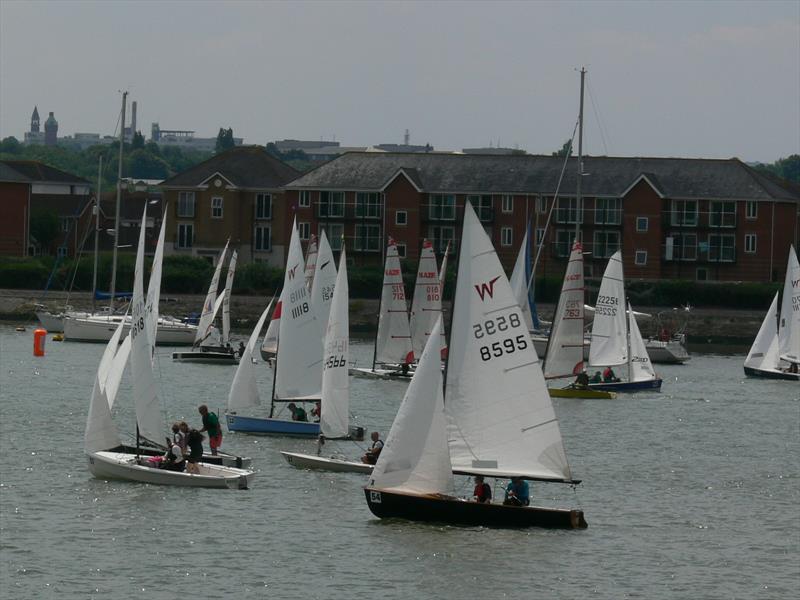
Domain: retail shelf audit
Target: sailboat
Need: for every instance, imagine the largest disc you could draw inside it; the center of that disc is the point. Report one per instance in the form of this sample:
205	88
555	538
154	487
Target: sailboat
494	417
298	364
616	339
335	402
107	457
269	347
776	350
205	350
393	352
426	306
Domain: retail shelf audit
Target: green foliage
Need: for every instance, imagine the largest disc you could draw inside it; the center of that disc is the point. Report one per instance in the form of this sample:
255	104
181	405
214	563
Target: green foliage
44	227
23	273
186	275
10	145
786	168
294	158
144	165
566	149
224	140
138	141
257	278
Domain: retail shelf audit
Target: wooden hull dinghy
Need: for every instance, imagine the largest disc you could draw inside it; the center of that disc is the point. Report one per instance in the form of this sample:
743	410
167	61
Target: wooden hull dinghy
573	392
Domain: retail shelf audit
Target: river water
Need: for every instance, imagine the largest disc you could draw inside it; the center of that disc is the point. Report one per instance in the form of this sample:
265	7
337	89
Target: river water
690	493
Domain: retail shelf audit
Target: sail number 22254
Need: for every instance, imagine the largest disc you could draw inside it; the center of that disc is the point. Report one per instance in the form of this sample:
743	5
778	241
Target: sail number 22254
500	347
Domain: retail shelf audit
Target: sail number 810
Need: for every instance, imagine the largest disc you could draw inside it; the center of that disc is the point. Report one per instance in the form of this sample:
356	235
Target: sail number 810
492	326
507	346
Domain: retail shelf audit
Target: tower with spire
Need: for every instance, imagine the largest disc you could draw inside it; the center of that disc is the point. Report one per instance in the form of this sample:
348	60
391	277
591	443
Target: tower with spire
35	135
35	120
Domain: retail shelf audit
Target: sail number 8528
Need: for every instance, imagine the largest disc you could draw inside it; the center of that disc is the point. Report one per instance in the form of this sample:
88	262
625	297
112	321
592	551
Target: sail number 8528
492	326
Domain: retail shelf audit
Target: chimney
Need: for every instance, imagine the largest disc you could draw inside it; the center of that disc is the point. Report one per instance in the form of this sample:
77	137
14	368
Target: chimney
133	119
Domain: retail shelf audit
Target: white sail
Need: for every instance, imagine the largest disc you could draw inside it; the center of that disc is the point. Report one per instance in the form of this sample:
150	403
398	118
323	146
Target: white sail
100	432
519	283
393	342
109	353
324	282
501	419
789	324
764	351
426	306
299	359
244	389
226	303
270	343
114	377
207	316
609	345
442	278
145	397
565	348
311	261
335	404
415	457
443	268
641	367
154	285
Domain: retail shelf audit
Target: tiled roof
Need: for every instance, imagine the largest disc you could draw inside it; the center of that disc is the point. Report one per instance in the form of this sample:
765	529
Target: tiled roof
533	174
249	167
31	171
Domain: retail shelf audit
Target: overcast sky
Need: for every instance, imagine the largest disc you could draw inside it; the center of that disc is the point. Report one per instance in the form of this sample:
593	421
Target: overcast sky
694	79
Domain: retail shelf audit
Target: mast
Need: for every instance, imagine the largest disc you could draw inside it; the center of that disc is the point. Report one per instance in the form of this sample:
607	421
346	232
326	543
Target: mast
119	197
96	230
578	211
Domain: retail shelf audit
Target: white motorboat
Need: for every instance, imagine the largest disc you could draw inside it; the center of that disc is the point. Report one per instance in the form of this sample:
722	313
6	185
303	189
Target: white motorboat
100	328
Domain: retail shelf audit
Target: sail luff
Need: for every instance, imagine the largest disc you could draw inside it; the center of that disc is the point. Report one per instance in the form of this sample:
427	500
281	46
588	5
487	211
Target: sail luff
226	303
335	402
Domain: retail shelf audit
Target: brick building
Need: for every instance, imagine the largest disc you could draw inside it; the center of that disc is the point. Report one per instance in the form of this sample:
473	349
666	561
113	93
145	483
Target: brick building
673	218
237	194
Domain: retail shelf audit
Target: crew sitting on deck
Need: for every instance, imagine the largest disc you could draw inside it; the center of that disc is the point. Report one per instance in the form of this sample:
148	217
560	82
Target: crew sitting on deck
517	492
582	380
482	492
371	456
596	378
173	460
609	376
298	412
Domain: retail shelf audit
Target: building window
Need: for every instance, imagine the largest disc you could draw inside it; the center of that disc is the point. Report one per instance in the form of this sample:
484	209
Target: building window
684	213
216	207
751	210
368	238
722	247
65	222
750	243
506	236
567	211
331	204
722	214
442	206
263	206
335	234
185	235
564	240
605	243
186	205
508	204
702	274
61	252
608	211
401	250
539	236
262	238
681	247
541	205
401	217
482	206
368	205
305	199
642	224
304	230
440	236
641	258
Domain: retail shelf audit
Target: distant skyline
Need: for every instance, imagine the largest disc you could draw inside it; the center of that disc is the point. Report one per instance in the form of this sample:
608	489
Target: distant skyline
690	79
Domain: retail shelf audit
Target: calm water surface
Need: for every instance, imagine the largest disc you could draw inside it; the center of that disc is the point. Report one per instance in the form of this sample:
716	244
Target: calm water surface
691	493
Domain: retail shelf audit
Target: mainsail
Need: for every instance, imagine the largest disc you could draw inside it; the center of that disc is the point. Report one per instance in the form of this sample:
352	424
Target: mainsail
226	303
324	282
763	353
335	403
789	325
209	311
393	342
609	329
565	348
244	389
426	306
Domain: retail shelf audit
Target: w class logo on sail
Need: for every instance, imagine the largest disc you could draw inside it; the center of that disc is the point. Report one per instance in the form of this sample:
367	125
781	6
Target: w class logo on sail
291	272
486	288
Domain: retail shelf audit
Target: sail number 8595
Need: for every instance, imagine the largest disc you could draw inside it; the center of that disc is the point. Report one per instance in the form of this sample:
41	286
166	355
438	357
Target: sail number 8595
506	346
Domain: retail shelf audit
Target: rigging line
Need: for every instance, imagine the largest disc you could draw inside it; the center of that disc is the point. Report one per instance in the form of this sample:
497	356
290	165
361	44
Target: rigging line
600	124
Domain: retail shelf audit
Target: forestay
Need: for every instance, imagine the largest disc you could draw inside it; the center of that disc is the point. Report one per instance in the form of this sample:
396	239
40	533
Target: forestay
393	342
299	360
324	282
609	345
426	306
789	325
565	349
501	419
415	457
519	282
226	303
244	389
641	367
335	403
764	351
207	316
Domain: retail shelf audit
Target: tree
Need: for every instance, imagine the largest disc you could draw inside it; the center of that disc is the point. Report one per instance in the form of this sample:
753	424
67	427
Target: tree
144	165
137	141
44	227
10	145
566	149
224	140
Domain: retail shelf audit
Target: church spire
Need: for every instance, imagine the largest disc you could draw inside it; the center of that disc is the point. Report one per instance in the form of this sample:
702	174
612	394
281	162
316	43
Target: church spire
35	120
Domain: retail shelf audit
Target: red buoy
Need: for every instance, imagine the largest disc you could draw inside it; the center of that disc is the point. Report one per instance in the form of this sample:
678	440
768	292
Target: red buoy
39	338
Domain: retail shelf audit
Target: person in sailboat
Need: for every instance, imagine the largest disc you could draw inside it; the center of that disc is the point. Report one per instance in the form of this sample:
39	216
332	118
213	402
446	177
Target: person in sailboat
241	349
596	378
371	455
195	441
316	411
178	438
212	426
517	492
609	376
298	412
582	380
482	492
173	460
